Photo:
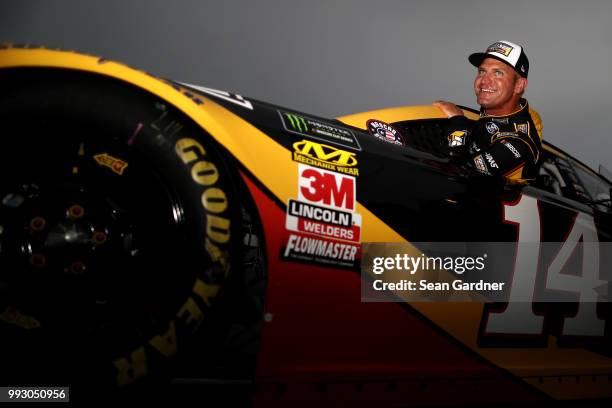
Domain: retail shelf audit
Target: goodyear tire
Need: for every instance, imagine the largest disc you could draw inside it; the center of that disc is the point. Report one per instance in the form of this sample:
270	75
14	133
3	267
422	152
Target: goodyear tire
118	228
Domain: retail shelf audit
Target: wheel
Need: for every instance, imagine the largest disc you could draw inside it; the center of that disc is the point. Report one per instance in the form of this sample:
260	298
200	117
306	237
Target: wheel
119	226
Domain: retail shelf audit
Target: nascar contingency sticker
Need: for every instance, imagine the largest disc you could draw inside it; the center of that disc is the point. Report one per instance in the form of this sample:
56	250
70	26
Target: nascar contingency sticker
325	227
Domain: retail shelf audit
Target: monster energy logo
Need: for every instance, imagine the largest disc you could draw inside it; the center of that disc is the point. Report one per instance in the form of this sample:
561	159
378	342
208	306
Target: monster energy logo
297	122
318	129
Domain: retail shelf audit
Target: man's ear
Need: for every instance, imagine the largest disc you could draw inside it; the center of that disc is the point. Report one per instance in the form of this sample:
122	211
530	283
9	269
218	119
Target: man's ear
520	85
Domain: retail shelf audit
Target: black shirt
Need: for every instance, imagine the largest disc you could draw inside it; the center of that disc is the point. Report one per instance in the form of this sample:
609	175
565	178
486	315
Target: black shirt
507	146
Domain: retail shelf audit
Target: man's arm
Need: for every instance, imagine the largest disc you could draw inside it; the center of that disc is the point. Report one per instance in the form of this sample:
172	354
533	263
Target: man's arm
448	108
506	157
512	149
458	125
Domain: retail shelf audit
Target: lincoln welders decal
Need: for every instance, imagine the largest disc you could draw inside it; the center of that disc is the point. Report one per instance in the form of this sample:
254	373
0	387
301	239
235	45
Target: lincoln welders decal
317	129
326	227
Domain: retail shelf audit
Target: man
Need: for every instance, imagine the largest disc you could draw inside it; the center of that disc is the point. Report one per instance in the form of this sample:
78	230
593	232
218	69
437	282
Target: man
505	141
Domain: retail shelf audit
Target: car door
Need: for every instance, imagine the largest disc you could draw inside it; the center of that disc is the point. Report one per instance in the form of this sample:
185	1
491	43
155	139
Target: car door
564	267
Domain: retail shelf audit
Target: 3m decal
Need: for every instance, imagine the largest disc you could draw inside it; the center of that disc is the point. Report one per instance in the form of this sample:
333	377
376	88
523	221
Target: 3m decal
226	96
325	157
384	131
323	187
106	160
318	129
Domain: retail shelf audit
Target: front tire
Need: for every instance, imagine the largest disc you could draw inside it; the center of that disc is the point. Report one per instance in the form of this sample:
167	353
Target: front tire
119	228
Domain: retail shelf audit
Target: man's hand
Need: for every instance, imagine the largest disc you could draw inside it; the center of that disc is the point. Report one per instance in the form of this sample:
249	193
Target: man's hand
448	108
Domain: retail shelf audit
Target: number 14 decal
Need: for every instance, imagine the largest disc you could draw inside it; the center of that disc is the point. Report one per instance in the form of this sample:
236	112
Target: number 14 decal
519	317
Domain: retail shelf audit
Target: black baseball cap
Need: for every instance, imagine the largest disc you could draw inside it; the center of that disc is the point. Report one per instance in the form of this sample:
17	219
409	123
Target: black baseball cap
506	52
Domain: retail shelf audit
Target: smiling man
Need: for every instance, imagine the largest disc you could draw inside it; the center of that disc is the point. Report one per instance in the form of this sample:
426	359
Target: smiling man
504	141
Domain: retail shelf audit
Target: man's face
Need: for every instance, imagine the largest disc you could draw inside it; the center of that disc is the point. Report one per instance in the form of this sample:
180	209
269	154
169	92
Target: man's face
498	87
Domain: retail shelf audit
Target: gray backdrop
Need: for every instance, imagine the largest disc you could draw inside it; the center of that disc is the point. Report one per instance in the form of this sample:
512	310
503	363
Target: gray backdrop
337	57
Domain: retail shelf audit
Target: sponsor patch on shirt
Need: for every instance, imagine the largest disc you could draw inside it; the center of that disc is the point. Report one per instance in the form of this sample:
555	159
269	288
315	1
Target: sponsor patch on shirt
491	161
500	120
511	147
492	128
480	164
502	135
457	138
522	127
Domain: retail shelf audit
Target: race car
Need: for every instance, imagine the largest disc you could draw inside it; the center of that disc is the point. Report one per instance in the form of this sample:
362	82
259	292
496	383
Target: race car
156	231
